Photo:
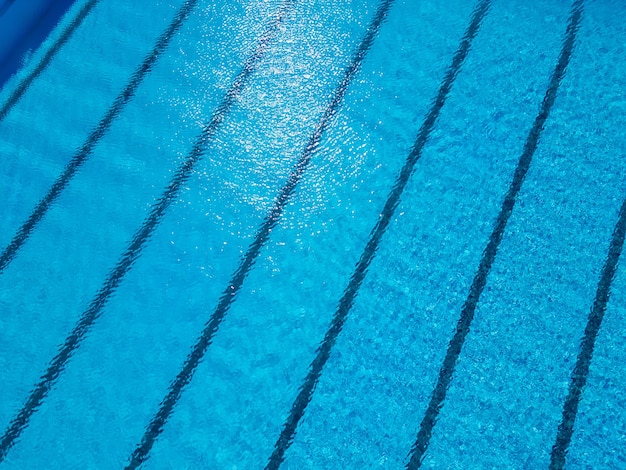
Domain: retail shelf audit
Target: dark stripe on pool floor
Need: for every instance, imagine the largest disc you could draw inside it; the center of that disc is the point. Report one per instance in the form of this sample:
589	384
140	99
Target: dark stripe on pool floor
140	238
101	129
587	344
47	58
5	6
271	220
345	304
446	372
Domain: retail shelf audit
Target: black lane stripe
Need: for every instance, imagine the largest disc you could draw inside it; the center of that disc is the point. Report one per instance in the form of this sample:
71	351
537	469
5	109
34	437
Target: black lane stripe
587	344
101	129
271	220
47	58
139	240
446	372
345	304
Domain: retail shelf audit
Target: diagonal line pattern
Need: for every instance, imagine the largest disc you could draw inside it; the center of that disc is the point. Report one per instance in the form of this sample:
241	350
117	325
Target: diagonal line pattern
141	237
345	304
585	355
47	58
271	220
101	129
462	329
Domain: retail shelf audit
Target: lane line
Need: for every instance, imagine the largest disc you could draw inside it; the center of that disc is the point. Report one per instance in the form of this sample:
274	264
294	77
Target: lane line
271	220
141	237
46	59
345	304
446	372
587	344
100	130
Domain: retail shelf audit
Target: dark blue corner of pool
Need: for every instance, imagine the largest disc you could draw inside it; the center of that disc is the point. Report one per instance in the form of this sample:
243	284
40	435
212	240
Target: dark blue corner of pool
24	24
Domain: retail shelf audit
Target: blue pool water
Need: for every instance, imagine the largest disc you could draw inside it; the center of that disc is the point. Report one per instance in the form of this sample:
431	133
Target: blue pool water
281	136
24	25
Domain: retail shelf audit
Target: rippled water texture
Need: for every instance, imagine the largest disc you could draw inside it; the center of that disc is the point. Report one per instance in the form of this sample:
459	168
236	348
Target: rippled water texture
233	162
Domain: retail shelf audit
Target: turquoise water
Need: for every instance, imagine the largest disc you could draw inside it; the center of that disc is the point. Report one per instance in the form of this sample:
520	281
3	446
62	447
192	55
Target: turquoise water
504	404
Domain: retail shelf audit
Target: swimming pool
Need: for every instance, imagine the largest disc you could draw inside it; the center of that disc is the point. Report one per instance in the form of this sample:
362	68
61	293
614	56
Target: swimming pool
24	26
316	235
